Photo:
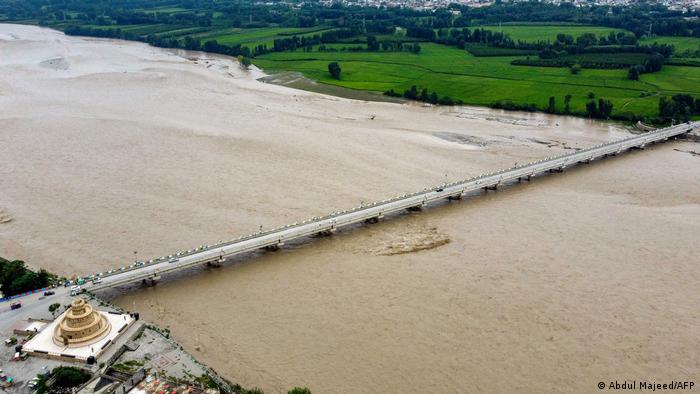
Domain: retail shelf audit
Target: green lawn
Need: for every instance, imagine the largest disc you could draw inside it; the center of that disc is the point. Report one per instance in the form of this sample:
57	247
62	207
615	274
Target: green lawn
485	80
536	32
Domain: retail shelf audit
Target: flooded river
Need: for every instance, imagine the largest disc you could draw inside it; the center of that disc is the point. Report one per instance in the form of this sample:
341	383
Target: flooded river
111	147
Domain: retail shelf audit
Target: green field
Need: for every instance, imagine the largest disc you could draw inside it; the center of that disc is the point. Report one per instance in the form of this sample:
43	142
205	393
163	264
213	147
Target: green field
485	80
254	37
548	32
680	43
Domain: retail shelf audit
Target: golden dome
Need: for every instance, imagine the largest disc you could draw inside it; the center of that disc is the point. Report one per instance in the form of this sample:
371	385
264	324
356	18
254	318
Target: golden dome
81	325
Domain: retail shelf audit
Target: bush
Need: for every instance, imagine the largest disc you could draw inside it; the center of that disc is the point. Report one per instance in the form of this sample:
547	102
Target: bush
299	390
334	69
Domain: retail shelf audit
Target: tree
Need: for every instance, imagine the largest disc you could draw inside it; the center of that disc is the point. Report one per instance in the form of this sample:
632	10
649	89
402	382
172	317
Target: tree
334	69
412	93
434	98
372	43
567	104
605	108
591	109
53	308
415	48
575	69
552	105
299	390
424	95
244	61
66	377
633	73
590	95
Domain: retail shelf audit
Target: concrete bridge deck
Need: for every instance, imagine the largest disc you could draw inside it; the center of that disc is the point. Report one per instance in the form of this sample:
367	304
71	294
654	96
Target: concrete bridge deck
274	238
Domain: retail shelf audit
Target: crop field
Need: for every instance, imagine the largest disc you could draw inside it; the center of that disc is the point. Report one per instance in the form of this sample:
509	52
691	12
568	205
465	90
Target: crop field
680	43
254	37
485	80
144	29
545	32
485	50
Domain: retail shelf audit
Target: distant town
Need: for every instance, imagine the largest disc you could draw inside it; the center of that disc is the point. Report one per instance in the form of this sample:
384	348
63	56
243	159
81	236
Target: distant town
425	5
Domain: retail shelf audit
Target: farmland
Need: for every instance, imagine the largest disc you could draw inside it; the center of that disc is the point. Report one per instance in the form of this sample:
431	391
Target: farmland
548	32
486	80
259	36
681	44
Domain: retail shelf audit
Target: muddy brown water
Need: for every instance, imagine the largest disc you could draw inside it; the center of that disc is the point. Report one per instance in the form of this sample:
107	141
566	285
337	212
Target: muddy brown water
108	147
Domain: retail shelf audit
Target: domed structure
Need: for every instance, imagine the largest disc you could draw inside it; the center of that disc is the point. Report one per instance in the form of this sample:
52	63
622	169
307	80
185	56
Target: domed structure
81	326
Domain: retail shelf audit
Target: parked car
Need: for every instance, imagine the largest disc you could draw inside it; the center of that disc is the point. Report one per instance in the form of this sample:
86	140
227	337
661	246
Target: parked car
49	293
15	305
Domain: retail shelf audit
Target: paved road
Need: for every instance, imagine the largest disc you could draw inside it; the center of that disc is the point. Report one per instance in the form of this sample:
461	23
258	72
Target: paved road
375	211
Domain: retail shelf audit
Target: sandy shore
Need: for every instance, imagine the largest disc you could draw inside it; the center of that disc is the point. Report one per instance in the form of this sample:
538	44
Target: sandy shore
110	147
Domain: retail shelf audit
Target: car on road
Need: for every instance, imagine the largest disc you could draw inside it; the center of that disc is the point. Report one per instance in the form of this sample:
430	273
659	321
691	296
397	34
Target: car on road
49	293
172	260
15	305
75	290
96	280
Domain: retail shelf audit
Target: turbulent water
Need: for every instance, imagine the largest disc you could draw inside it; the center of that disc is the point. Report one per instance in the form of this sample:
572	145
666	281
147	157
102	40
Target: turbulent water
110	147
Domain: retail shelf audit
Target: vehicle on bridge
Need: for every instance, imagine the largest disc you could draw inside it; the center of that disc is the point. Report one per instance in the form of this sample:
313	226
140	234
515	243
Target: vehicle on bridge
15	305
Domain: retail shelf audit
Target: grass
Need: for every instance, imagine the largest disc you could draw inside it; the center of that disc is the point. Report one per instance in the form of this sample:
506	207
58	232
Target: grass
545	32
680	43
485	80
254	37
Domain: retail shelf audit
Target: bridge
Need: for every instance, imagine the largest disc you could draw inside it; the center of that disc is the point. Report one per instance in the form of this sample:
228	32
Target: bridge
151	271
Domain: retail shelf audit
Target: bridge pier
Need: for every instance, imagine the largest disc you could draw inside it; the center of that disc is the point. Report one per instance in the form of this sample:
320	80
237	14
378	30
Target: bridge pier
455	197
560	169
152	281
372	220
274	247
492	187
215	263
415	208
326	233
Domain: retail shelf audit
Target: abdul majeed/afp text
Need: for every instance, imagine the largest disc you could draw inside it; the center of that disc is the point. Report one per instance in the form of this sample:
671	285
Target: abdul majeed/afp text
646	385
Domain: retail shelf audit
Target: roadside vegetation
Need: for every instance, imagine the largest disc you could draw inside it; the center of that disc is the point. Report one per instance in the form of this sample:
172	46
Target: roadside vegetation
16	278
509	55
63	380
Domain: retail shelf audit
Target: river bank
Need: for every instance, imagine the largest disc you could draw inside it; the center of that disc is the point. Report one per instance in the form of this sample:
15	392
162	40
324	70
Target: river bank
154	151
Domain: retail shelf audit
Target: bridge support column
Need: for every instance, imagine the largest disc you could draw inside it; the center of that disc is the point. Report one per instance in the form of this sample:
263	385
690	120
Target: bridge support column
372	220
216	263
455	197
492	187
274	247
560	169
326	233
415	208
